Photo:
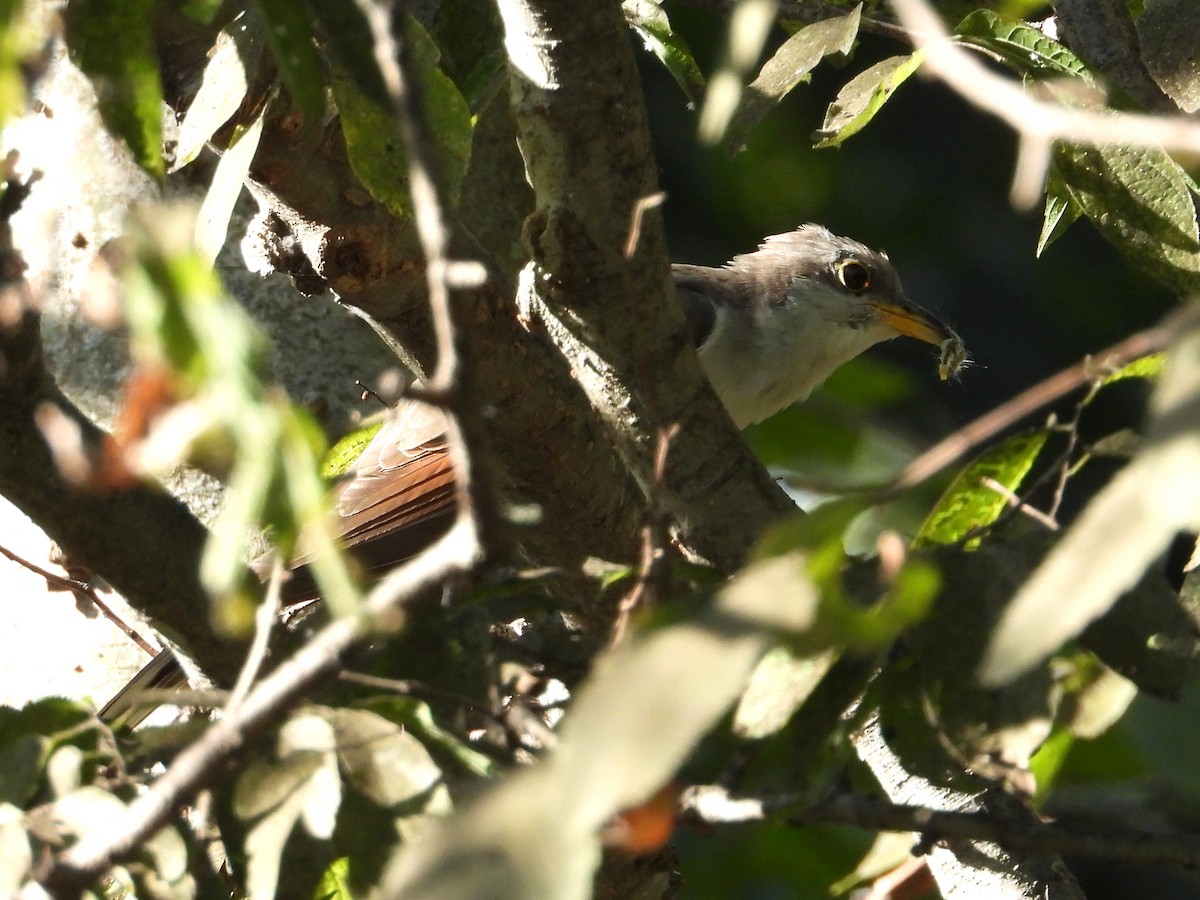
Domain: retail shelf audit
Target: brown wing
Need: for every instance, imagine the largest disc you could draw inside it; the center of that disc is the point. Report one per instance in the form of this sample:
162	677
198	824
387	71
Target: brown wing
402	478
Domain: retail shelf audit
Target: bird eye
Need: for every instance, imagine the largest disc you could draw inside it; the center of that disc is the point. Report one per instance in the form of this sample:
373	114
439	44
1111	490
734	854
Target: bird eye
853	275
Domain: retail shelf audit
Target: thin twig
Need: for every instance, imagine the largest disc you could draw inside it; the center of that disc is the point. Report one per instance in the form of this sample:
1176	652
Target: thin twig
265	619
1019	505
449	384
954	446
643	206
87	591
654	541
712	805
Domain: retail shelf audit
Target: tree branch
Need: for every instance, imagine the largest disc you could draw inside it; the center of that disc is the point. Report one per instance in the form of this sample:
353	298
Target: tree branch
587	153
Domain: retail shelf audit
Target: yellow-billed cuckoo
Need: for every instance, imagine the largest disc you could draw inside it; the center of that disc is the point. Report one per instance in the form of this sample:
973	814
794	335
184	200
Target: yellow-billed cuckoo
769	327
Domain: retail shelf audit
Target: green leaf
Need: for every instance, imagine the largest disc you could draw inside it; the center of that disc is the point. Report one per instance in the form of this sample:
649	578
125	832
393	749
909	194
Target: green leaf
289	34
1061	211
1142	202
968	503
1149	367
1023	47
345	452
862	97
335	881
649	21
113	43
373	141
788	67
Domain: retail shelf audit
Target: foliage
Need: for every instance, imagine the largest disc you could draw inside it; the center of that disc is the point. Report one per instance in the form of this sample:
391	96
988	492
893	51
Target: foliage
876	608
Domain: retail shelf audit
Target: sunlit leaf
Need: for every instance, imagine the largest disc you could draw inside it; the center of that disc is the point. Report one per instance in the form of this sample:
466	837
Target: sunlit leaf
862	97
341	456
788	67
212	222
650	22
289	34
335	882
1060	214
1149	366
1142	202
969	503
1025	48
232	65
114	45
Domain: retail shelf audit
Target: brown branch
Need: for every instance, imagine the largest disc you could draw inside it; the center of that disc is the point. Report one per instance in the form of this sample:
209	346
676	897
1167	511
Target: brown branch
955	446
613	318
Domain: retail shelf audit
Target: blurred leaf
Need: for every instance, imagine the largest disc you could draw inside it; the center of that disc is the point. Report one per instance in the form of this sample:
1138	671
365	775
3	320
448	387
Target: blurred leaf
27	738
888	852
232	64
780	684
1023	47
349	45
631	725
750	23
22	34
862	97
1121	531
212	223
300	783
373	140
1142	202
114	45
648	19
289	34
417	718
381	759
16	855
968	504
788	67
1061	211
180	317
810	530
